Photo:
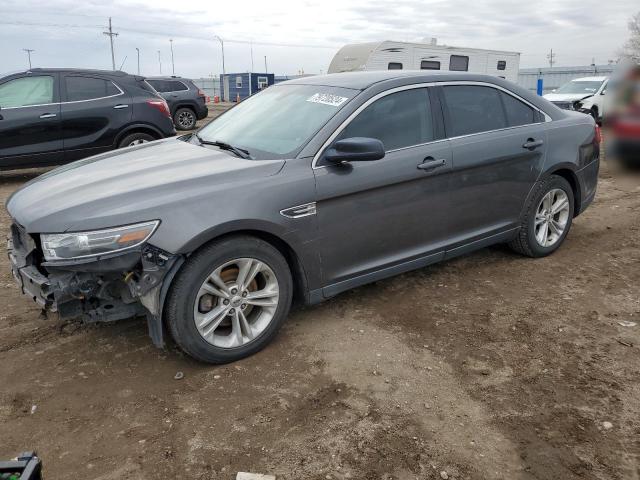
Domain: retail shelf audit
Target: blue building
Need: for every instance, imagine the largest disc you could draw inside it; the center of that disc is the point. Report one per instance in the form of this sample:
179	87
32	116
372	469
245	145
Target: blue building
243	84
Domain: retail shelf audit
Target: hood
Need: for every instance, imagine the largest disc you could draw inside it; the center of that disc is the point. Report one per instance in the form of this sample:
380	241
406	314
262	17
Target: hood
566	97
130	185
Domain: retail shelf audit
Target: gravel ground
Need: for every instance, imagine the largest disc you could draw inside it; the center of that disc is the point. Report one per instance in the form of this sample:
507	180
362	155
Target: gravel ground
491	366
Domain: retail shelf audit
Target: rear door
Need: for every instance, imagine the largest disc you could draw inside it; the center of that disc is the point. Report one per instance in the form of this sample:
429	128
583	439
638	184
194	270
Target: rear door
30	121
94	111
498	144
382	217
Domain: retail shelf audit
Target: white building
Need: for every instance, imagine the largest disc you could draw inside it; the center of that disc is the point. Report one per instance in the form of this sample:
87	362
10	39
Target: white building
389	55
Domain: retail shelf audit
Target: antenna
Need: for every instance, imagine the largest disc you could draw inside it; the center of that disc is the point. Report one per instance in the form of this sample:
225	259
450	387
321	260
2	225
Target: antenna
29	52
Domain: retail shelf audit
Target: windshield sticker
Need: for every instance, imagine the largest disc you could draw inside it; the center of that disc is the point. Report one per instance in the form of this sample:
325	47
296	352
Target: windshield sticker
327	99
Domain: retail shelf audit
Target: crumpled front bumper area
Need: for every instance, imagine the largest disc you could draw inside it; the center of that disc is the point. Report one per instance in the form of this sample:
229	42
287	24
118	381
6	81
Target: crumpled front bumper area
100	289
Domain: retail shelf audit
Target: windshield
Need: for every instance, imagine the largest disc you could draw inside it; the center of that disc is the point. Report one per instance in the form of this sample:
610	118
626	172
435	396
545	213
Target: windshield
586	87
278	120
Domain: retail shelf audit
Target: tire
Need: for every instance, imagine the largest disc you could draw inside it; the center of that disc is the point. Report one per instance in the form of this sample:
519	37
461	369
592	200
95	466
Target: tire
594	114
527	242
185	299
184	119
135	139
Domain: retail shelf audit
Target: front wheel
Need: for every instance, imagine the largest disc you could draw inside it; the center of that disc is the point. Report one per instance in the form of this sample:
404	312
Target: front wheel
547	220
229	299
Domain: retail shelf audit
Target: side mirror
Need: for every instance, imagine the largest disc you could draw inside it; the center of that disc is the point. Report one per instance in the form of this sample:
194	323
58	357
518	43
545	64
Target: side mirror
603	92
355	149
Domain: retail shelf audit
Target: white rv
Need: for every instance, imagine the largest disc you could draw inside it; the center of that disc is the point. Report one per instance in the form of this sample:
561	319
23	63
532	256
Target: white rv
388	55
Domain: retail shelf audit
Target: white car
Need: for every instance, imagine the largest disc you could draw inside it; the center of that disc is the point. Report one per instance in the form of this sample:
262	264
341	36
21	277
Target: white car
586	95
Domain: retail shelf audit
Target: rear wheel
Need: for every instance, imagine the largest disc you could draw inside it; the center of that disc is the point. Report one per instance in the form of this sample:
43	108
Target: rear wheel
229	299
135	139
184	119
548	218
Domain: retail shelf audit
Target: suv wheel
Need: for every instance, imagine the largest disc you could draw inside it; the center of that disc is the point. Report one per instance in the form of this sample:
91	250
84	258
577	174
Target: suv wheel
135	139
229	299
184	119
547	220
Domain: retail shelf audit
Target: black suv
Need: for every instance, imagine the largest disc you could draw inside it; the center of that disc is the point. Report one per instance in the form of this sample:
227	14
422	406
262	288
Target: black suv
186	101
55	116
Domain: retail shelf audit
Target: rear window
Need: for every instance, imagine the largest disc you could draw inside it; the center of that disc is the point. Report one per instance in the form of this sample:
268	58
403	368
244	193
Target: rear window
473	109
518	113
88	88
167	85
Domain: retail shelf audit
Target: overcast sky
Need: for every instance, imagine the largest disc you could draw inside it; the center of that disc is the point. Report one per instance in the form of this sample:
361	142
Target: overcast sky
300	34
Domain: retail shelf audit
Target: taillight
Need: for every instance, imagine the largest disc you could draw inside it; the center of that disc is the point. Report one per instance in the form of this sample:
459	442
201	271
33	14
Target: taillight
201	93
598	135
160	105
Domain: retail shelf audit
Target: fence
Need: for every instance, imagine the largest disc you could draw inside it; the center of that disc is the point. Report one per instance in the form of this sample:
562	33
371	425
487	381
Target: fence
558	76
210	86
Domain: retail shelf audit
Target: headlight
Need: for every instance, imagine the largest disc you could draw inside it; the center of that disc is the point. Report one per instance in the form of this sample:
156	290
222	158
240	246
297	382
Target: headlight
64	246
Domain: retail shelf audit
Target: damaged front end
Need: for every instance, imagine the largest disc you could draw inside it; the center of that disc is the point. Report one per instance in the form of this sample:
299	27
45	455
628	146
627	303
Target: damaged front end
100	287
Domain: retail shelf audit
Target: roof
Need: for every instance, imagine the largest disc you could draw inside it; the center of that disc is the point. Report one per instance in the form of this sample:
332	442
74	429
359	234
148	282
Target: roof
363	80
114	73
589	79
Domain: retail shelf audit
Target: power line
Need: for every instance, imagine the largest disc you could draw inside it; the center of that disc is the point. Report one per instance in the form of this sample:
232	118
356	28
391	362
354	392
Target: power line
111	34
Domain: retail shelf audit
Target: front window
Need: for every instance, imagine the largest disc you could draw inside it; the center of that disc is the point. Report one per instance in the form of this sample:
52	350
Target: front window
26	91
586	87
279	120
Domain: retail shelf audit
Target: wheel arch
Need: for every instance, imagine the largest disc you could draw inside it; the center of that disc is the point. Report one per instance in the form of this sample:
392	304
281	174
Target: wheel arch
570	176
137	128
275	239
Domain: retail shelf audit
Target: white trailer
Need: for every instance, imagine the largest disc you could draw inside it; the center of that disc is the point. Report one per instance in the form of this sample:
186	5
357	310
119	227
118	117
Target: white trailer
389	55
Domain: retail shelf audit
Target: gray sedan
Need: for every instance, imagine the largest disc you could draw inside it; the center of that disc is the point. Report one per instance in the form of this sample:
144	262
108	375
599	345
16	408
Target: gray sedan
303	191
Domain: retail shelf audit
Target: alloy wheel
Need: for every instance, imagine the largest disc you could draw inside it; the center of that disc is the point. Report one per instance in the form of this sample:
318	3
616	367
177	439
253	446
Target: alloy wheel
236	303
137	141
186	120
552	217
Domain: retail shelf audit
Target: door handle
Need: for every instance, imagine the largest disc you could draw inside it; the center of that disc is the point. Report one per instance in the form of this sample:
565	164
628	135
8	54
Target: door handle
118	107
431	164
532	144
48	115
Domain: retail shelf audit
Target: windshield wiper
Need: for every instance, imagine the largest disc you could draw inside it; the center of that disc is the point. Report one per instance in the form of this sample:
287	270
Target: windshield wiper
240	152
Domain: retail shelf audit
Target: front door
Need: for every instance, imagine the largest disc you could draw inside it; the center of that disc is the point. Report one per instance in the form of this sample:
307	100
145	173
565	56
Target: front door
30	121
94	112
378	218
498	144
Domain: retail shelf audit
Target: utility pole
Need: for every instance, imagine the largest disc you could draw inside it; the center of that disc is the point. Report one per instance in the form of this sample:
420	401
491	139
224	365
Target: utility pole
265	65
29	52
222	45
111	34
160	62
173	67
138	51
552	58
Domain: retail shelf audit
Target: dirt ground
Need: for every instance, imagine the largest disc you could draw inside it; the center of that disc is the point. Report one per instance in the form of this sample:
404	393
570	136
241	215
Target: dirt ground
491	366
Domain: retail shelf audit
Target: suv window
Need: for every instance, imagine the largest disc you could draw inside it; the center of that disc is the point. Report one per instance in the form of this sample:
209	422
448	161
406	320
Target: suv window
399	120
473	109
88	88
429	65
458	63
165	86
395	66
26	91
518	113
